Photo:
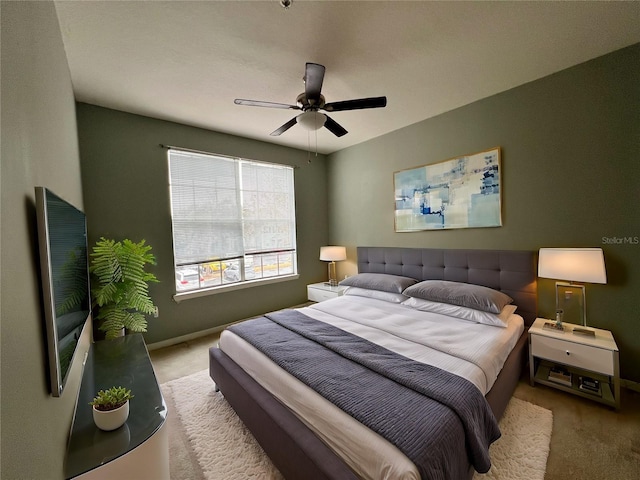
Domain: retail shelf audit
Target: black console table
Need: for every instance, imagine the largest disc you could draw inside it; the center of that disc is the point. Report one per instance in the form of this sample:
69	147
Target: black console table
139	449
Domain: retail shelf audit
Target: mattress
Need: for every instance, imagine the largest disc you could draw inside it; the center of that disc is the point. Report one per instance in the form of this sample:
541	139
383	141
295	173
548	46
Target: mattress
473	351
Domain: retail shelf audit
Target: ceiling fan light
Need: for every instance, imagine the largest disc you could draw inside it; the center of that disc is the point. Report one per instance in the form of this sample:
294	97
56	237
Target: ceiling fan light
312	120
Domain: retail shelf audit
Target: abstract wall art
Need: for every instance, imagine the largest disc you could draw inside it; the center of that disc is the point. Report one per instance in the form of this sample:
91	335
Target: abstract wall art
462	192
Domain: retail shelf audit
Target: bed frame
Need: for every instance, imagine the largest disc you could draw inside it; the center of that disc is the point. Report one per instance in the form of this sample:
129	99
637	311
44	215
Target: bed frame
292	446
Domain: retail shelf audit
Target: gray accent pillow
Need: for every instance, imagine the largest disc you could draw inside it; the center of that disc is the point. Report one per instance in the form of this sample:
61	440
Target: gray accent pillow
379	281
464	294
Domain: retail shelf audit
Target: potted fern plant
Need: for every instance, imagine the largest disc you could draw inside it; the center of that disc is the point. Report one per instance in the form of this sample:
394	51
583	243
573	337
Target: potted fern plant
120	286
111	408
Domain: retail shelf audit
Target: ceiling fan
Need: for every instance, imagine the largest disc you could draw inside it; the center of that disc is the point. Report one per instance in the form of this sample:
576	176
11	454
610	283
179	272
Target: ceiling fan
312	100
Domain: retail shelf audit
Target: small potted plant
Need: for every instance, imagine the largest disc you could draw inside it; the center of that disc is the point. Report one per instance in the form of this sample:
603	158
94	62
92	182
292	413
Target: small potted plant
111	408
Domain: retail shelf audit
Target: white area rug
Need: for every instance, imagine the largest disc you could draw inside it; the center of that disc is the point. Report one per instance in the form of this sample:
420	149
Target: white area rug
226	450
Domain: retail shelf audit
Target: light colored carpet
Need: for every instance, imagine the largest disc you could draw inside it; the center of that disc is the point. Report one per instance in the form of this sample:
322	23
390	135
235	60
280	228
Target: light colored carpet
208	440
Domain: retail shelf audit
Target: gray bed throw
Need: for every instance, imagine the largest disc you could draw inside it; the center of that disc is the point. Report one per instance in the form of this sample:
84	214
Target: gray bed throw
440	421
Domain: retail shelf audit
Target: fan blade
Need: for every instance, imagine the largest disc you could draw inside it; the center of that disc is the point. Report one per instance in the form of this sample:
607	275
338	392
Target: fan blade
257	103
313	77
284	127
373	102
334	127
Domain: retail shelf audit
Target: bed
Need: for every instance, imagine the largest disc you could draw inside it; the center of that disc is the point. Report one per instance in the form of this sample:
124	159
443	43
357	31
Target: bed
307	436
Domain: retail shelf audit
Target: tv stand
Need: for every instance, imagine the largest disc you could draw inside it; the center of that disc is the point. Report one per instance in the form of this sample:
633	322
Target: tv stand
140	448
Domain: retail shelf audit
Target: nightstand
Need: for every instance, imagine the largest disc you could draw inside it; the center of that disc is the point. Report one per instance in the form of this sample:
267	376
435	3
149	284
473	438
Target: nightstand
572	362
318	292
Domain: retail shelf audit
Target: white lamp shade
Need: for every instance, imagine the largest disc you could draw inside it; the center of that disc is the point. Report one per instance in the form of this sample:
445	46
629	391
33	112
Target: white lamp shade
333	254
311	120
572	264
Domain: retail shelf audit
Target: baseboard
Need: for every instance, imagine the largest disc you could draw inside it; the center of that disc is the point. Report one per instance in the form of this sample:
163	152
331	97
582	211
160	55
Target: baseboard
186	338
630	385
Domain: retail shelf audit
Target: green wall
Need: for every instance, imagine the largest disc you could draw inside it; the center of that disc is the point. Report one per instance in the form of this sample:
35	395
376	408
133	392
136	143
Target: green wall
39	147
570	148
126	195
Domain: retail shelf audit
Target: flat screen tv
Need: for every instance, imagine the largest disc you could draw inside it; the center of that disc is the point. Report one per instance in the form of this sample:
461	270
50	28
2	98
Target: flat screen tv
62	238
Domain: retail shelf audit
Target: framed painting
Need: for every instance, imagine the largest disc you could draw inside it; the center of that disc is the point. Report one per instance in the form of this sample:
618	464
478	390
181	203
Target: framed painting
462	192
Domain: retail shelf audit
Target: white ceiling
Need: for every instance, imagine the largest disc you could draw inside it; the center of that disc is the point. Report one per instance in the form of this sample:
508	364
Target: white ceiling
187	61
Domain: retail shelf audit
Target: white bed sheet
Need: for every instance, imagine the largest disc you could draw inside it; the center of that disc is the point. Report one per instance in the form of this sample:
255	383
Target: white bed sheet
422	336
471	350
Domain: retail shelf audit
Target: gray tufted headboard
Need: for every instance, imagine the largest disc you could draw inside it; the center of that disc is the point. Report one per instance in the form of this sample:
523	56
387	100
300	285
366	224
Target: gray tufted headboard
510	271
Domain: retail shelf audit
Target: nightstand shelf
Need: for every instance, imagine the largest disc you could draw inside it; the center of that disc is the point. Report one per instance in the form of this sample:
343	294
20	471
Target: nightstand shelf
542	375
596	357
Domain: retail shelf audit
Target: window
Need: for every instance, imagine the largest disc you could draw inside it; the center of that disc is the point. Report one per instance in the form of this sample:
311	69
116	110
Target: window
233	220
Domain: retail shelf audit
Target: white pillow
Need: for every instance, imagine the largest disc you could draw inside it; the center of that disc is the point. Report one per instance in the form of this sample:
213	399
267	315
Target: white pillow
463	313
380	295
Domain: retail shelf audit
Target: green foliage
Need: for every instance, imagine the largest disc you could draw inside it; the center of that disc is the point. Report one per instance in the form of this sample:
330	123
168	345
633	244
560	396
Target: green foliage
66	355
111	398
120	287
73	282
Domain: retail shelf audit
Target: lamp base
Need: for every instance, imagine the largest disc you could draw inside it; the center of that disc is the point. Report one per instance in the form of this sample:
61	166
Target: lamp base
332	275
570	298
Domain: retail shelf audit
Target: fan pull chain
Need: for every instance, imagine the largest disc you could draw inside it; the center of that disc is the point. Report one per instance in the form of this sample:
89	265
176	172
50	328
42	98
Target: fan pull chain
316	143
309	145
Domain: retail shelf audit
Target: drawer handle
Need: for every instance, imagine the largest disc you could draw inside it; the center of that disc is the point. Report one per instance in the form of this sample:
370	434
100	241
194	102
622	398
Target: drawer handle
568	352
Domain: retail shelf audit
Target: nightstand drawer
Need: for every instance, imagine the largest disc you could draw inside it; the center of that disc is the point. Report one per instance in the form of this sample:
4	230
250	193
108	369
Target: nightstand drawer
317	295
319	292
574	354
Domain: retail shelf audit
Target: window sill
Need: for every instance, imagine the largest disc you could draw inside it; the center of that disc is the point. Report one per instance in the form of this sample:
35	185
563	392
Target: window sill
180	297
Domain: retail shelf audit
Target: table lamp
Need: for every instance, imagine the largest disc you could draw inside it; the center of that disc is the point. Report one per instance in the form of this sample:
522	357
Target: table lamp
572	265
333	254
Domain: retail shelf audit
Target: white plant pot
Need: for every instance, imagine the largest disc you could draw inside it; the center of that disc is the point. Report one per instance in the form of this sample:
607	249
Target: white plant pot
111	419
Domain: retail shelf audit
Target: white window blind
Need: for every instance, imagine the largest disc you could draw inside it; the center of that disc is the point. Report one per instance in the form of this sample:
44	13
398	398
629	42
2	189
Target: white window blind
231	214
267	207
